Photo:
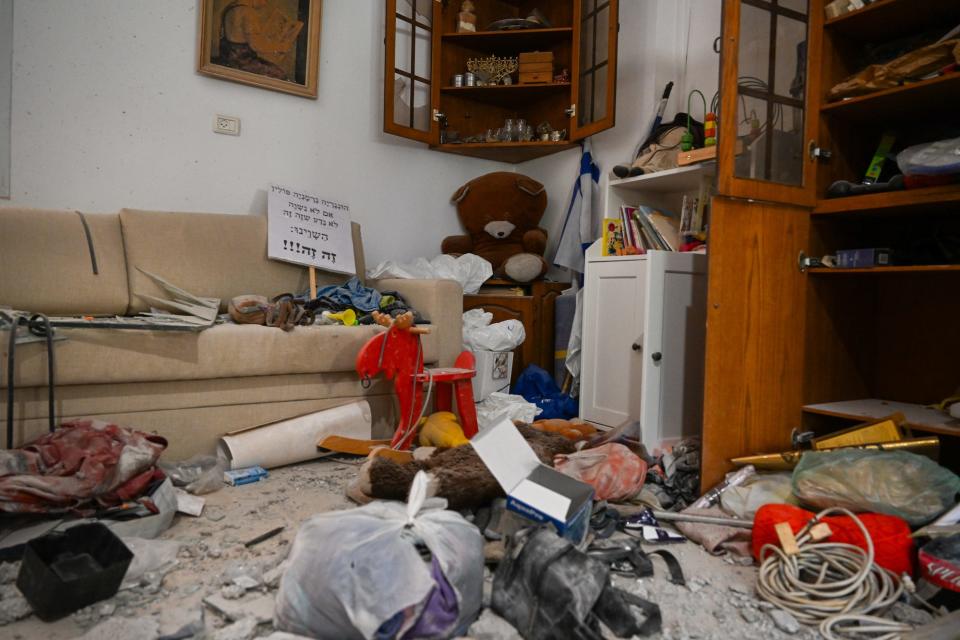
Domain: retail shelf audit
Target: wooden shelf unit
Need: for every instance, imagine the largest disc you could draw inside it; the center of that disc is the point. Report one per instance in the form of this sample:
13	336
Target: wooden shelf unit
934	96
580	107
927	268
779	339
887	19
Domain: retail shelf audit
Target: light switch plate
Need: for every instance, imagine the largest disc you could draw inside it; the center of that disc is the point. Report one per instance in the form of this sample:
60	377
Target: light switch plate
227	125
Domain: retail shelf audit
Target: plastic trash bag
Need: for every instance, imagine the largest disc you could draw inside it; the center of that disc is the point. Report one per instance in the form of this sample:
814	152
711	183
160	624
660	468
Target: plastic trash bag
548	589
896	483
469	270
199	475
479	334
931	159
743	500
359	574
499	406
538	387
614	472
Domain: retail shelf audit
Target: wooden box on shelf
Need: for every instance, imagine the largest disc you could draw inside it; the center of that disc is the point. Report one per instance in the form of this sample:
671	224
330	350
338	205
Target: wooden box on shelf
424	52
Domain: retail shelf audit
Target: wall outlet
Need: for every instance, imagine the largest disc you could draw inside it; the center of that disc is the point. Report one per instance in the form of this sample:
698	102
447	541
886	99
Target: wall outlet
227	125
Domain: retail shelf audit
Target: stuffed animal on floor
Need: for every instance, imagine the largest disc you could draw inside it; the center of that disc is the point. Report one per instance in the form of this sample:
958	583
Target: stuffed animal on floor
457	474
500	212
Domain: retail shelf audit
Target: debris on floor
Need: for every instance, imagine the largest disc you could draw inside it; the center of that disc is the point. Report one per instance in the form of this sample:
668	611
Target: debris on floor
270	559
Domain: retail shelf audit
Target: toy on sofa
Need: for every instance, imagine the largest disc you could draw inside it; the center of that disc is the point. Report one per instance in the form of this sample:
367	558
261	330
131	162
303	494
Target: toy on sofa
500	212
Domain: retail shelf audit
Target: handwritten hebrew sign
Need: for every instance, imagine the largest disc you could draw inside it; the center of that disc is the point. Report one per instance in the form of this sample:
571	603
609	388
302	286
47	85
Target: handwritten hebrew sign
309	230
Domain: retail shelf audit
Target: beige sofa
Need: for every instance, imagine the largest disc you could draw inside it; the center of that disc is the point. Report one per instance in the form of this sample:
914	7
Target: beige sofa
189	387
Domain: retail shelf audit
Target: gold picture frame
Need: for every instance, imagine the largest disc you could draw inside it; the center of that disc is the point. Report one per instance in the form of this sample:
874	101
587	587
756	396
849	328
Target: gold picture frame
273	44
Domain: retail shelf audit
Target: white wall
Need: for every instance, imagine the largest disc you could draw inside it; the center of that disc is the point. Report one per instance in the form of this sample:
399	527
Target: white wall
659	41
108	112
6	67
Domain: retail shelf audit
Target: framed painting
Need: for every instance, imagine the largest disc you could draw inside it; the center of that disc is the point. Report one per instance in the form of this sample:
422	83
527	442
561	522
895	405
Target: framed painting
274	44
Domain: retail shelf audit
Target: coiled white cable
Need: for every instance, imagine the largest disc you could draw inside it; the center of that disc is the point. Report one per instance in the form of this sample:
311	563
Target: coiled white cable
831	583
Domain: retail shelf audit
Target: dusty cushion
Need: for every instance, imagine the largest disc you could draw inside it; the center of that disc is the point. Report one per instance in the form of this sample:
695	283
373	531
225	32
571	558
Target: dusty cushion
46	267
210	255
92	356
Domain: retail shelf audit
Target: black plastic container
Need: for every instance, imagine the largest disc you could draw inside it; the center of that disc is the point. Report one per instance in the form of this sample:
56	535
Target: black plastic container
64	571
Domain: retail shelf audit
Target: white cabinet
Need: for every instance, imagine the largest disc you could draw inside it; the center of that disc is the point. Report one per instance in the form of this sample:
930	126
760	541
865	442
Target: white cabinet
644	330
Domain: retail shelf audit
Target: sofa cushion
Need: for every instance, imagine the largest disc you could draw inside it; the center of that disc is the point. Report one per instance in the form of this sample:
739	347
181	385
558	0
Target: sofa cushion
210	255
46	267
96	356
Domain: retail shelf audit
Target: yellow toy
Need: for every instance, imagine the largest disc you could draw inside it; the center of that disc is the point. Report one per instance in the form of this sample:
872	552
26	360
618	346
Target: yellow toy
441	430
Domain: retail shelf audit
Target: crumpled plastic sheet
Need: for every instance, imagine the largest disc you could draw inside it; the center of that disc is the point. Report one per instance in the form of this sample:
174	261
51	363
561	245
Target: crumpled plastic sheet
499	406
480	335
931	158
470	270
199	475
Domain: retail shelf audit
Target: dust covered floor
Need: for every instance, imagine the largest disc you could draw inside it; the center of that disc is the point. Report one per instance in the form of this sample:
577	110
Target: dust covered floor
213	564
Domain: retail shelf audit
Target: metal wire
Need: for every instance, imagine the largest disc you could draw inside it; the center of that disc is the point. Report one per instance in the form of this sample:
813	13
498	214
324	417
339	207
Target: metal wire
833	584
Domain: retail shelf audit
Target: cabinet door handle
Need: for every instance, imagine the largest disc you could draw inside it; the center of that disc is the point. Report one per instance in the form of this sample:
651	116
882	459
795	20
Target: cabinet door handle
637	346
657	357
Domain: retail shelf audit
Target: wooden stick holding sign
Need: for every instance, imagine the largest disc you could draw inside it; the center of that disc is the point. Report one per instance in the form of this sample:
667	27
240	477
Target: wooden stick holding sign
306	229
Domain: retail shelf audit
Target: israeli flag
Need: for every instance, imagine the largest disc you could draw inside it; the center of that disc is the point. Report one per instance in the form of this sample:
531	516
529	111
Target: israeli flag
582	224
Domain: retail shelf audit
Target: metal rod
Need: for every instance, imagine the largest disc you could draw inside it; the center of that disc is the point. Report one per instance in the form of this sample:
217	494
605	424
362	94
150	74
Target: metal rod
671	516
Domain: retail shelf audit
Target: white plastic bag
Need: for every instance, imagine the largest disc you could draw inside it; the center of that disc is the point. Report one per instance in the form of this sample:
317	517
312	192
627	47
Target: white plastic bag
469	270
480	335
931	158
500	406
352	571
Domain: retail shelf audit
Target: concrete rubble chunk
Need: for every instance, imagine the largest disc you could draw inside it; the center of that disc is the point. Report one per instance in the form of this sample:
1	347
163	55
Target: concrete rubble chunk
283	635
246	582
784	620
903	612
13	608
259	607
490	626
9	572
116	628
243	629
750	615
232	592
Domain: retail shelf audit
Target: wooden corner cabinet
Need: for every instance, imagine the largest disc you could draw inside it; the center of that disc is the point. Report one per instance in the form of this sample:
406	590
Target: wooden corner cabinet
794	347
424	51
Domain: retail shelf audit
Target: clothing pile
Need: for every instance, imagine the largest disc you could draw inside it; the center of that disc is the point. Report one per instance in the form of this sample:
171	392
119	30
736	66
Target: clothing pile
353	304
82	467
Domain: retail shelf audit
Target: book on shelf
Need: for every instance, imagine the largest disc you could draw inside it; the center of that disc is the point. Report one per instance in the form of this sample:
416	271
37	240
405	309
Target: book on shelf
613	242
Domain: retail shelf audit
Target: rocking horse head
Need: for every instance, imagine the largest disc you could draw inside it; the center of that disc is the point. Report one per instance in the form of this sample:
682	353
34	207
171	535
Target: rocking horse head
395	350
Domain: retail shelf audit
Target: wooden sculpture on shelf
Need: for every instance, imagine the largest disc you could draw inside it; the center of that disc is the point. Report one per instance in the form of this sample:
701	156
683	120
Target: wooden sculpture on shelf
398	354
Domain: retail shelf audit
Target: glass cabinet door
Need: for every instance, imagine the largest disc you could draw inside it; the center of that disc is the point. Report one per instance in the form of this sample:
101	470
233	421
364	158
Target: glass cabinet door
408	85
595	76
768	114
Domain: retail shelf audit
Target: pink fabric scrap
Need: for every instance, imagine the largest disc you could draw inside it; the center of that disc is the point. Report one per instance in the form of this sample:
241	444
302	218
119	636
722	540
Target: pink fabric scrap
614	472
81	462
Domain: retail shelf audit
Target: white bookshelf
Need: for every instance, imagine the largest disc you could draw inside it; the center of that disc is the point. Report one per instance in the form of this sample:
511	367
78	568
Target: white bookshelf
662	190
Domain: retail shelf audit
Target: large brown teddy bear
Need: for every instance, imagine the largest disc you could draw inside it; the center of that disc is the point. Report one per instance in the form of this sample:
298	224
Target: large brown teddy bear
500	212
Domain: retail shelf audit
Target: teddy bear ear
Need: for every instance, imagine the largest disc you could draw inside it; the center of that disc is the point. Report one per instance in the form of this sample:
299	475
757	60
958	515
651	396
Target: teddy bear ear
460	194
529	186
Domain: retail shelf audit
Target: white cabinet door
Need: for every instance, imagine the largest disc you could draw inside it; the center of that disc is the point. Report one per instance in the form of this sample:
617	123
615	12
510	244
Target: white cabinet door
673	359
613	314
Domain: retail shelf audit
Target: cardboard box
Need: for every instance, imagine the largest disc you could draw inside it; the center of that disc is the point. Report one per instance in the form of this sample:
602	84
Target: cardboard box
493	373
536	78
534	490
535	56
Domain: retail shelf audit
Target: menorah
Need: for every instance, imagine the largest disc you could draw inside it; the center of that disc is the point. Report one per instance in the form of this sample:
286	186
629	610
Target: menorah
493	69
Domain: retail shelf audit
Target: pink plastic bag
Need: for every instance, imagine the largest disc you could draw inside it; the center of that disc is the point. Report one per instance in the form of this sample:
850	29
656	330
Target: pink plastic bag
614	472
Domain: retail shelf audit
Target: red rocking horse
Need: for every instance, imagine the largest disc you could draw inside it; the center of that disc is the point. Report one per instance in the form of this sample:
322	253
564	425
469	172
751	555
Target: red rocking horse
398	354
